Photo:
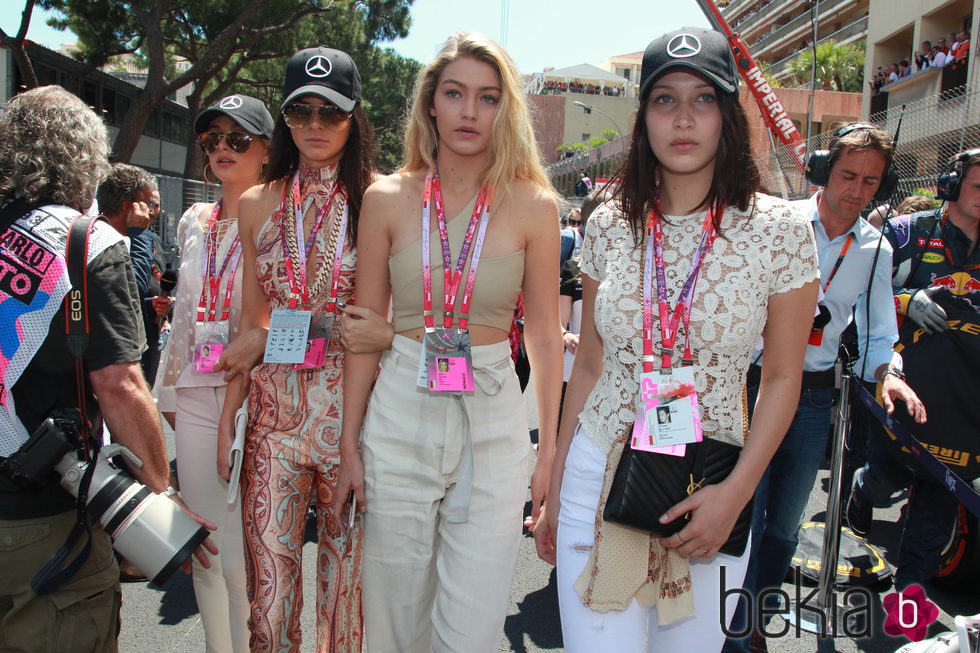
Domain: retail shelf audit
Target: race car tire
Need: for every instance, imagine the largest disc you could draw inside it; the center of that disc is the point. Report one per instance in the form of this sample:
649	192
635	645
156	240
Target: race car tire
960	561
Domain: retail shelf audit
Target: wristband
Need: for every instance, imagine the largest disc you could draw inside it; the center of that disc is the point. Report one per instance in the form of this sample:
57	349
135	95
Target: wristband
891	369
170	491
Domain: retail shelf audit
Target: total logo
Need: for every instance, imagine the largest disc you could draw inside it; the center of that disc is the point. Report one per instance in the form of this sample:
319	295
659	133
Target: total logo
909	613
958	283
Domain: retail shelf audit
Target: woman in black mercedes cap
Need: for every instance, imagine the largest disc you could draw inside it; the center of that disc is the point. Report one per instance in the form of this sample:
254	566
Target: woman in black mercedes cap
298	257
234	136
683	270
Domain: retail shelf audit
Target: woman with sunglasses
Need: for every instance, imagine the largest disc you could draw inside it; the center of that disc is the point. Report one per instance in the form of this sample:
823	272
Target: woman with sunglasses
683	270
297	235
234	136
444	473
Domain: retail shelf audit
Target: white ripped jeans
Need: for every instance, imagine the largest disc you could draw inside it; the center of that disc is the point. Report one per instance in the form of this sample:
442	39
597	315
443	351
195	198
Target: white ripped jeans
634	629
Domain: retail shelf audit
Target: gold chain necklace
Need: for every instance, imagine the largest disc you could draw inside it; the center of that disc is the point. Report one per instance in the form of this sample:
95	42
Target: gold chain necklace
323	272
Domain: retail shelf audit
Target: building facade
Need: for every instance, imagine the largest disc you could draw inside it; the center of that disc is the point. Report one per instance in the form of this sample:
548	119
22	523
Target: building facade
776	30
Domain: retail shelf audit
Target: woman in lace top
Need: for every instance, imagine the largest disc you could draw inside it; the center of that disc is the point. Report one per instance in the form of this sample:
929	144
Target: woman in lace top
625	589
234	136
297	234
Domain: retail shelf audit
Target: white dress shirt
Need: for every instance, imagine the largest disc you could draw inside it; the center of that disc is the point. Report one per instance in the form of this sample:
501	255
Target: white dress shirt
847	295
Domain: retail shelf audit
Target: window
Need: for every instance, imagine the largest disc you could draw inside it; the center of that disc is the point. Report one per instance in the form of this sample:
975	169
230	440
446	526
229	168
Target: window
153	124
586	137
89	93
173	127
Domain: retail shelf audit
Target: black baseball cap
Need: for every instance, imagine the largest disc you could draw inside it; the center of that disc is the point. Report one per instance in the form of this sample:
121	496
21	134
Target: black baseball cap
325	72
248	112
702	50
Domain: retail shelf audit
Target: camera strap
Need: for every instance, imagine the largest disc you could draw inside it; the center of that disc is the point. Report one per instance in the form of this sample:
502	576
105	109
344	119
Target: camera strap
59	569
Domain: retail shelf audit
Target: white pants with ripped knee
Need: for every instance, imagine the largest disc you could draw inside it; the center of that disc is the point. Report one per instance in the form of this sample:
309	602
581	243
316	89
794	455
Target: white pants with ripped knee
634	629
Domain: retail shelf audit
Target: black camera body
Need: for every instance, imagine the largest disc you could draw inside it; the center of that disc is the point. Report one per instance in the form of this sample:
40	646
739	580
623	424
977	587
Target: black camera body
31	465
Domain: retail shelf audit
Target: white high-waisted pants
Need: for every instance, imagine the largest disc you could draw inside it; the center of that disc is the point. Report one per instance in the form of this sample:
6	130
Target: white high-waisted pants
220	590
634	629
431	582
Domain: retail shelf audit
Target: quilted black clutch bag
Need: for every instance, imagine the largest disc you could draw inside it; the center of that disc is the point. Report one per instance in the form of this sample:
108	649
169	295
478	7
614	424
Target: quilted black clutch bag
647	484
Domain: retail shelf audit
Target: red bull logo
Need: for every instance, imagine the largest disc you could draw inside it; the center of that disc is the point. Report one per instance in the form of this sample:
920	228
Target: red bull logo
958	283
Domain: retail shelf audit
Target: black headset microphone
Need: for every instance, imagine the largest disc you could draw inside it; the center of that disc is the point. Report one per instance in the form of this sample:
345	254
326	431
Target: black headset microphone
817	172
951	178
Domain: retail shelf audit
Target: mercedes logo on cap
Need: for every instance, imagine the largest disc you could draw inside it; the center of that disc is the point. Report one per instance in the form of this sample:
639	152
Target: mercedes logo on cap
318	66
683	46
231	102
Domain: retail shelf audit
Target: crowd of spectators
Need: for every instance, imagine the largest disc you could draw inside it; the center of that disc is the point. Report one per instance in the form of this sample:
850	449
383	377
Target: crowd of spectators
951	51
554	88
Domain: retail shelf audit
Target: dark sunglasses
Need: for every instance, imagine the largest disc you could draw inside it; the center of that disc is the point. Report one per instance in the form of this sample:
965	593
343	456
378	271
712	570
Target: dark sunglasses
298	115
238	142
574	222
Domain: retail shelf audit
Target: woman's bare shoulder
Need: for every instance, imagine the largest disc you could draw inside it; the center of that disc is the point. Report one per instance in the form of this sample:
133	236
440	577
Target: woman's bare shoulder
258	202
392	190
534	203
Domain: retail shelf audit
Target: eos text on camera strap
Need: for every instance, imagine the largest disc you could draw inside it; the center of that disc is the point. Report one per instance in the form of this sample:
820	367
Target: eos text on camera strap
57	571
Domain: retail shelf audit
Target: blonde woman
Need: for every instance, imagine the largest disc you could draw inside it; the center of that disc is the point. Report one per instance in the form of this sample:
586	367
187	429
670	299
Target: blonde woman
444	471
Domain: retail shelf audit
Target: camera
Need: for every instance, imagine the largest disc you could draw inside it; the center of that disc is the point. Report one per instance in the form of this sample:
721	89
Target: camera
147	528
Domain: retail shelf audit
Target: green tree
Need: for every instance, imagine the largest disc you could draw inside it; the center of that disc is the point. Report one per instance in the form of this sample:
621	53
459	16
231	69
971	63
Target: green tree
212	41
839	67
609	134
16	45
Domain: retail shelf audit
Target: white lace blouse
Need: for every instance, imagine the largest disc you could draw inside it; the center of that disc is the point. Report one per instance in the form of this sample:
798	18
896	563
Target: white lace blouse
753	257
176	370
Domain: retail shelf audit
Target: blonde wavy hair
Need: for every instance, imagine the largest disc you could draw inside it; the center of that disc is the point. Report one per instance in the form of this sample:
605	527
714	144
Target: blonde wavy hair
54	149
514	154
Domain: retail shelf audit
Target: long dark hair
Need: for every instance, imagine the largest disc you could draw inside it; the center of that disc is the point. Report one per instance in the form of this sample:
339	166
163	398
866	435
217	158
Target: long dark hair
356	168
735	179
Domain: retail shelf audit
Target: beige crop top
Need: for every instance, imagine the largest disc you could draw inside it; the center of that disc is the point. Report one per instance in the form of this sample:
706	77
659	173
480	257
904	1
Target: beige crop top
498	280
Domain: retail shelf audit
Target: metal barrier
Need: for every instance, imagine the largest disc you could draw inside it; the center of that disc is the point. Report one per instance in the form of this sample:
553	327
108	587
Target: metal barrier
933	129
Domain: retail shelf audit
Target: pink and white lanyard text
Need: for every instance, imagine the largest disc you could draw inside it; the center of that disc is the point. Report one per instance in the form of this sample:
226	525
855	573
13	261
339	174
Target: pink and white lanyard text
451	278
207	307
670	319
299	295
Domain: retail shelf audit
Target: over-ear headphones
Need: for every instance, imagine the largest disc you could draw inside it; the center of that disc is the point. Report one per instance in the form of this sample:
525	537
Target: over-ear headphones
950	179
818	165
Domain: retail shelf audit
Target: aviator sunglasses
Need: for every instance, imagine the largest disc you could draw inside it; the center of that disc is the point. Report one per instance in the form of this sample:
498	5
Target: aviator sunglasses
298	115
238	142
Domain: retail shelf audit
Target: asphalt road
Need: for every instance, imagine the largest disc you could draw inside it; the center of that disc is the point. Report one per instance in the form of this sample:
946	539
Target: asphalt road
158	621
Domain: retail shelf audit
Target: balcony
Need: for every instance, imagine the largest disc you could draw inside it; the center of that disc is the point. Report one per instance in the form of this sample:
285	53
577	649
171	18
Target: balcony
765	16
847	34
799	26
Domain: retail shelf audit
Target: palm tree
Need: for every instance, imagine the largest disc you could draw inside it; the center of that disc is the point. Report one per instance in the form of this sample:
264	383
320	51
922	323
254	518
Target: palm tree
839	67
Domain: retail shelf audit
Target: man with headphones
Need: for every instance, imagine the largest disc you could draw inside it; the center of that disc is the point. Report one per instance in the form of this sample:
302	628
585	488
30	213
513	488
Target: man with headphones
934	250
853	171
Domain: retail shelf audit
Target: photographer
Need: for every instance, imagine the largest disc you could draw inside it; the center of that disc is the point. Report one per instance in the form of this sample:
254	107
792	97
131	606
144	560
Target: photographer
52	158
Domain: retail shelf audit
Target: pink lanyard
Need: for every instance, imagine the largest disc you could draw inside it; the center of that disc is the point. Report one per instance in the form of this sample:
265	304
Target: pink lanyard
669	320
299	290
208	310
451	278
